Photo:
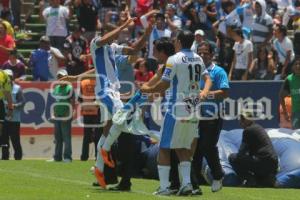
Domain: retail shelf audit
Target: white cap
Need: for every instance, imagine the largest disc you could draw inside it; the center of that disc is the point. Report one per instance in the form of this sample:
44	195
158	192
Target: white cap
62	72
9	72
199	32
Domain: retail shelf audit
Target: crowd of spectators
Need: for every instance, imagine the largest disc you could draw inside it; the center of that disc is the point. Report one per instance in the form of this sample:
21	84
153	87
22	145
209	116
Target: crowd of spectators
254	40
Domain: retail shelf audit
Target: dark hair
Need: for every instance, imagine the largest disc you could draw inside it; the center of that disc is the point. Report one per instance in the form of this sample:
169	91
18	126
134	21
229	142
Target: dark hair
207	44
282	29
13	52
239	32
165	45
159	16
186	38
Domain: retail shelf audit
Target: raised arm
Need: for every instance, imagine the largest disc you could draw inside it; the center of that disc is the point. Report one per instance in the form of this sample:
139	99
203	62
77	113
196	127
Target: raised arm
108	37
140	43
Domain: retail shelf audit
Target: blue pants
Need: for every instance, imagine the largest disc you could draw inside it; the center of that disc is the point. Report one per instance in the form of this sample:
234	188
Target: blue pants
62	137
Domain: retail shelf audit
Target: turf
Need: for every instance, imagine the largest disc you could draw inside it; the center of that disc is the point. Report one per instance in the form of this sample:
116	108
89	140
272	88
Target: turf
37	179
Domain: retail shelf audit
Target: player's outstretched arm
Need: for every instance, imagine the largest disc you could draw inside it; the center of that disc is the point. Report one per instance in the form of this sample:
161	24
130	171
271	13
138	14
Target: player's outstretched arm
90	74
110	36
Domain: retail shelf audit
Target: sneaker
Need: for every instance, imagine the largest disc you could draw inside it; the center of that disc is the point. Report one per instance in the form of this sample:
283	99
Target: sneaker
107	158
100	177
121	187
216	185
197	192
185	190
52	160
163	192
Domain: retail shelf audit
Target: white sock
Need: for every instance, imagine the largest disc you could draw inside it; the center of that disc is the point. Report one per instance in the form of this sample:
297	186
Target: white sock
164	174
185	172
114	132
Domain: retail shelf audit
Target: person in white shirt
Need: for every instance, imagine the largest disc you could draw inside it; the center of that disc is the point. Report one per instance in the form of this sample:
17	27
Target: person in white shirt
181	76
285	51
56	17
158	31
199	37
243	56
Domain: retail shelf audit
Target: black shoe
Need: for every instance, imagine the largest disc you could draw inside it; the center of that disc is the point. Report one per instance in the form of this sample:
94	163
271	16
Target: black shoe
197	192
95	184
121	187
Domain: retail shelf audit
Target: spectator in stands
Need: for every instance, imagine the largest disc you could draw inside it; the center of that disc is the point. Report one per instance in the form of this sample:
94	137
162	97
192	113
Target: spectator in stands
285	51
256	162
7	43
106	6
224	41
199	38
262	26
76	50
158	31
203	14
173	21
12	124
16	12
109	25
45	60
296	41
243	55
291	87
62	115
87	15
263	67
142	74
5	17
91	117
14	64
56	17
124	64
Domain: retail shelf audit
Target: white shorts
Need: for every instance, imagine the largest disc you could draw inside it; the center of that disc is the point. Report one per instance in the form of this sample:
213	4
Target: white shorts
176	134
109	104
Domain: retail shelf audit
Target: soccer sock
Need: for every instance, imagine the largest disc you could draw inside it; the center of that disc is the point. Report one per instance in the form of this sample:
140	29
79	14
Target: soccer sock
164	174
114	132
101	142
185	172
99	160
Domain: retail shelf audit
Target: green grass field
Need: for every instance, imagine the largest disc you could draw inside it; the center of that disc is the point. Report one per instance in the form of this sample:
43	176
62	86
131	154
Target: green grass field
41	180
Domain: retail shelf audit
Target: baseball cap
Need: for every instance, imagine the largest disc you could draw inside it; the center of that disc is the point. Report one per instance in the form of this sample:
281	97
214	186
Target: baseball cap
44	39
62	72
9	72
199	32
172	6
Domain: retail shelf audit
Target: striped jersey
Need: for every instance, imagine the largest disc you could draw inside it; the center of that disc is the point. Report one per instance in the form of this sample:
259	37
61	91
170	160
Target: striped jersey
104	62
184	71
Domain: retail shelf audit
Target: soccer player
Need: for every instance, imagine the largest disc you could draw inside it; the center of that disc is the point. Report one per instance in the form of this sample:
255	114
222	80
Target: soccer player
182	75
107	85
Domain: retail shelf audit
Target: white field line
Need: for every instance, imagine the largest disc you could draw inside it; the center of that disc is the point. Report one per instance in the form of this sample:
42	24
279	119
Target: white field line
40	176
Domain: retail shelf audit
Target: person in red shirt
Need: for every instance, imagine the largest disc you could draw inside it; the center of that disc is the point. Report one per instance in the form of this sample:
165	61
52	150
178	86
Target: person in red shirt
7	44
141	73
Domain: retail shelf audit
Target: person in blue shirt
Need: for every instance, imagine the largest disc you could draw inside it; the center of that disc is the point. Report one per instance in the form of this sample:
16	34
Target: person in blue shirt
39	61
210	124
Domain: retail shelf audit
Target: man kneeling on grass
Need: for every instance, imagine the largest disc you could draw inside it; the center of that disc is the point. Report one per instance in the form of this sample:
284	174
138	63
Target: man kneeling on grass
256	163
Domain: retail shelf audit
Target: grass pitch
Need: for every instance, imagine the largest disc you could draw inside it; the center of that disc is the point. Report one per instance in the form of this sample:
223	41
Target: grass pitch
39	180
